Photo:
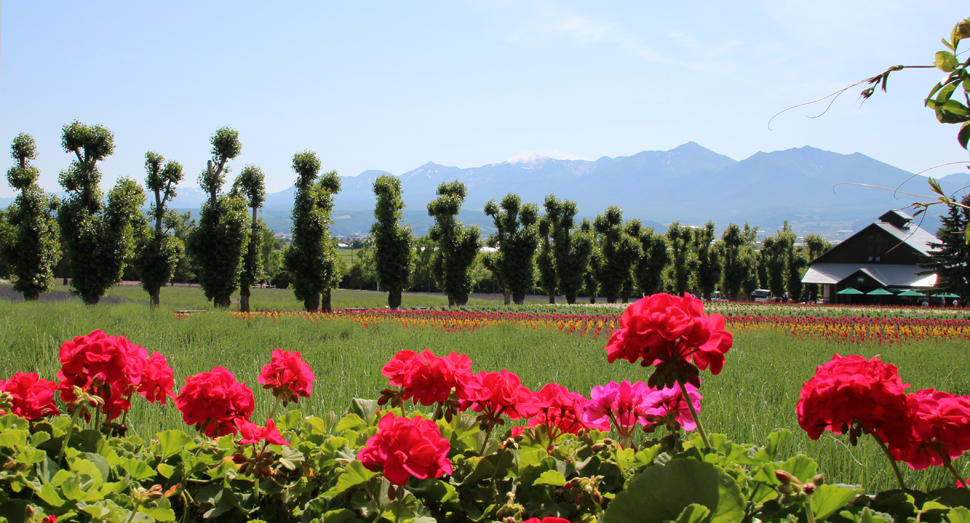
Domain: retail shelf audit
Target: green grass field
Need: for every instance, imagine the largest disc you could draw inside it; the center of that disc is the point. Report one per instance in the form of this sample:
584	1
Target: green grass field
755	394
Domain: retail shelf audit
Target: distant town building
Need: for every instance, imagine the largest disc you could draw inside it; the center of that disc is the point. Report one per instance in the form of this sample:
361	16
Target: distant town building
876	264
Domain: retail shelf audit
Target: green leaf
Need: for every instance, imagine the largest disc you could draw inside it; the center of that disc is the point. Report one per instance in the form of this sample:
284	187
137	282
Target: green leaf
802	467
29	456
341	515
959	515
964	135
829	498
693	513
551	477
350	422
166	470
137	469
356	474
163	512
171	442
946	61
290	421
663	493
364	408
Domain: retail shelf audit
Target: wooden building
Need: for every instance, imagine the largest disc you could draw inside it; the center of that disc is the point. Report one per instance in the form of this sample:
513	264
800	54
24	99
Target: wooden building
883	255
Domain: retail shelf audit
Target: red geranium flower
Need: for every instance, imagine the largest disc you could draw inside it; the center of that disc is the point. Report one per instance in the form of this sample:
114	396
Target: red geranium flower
108	366
406	447
502	393
32	396
288	375
430	379
672	334
213	401
253	433
937	429
852	393
157	381
560	410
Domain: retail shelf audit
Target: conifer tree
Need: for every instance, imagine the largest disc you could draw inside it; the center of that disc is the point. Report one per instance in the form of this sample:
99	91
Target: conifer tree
32	248
950	259
158	252
393	256
98	238
457	245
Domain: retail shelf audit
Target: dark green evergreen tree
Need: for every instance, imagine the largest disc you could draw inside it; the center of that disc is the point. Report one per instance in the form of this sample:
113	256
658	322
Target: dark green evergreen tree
30	246
392	241
950	259
98	238
739	264
159	252
709	254
457	246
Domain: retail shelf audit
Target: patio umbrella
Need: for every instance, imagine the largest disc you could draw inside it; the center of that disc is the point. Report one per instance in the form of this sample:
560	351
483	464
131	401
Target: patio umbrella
849	290
949	295
880	292
912	293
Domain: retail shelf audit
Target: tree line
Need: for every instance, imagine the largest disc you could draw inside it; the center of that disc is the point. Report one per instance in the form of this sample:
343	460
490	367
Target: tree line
96	238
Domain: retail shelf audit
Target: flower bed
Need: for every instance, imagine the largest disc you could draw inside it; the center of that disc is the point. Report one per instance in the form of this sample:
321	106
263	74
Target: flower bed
489	449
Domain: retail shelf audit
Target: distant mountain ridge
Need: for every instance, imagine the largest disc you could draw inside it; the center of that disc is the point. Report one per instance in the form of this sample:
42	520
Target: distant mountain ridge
811	188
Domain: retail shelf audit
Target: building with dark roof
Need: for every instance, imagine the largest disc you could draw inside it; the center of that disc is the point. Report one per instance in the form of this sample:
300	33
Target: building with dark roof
884	255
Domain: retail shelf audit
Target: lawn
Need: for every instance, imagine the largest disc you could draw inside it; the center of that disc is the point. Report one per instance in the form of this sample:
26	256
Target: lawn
755	394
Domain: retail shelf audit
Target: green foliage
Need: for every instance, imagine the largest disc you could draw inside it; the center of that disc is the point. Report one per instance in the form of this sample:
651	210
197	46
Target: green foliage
392	240
29	244
456	245
709	255
619	252
311	258
649	270
950	257
546	260
98	239
739	266
221	240
572	247
182	226
158	253
517	237
424	278
251	187
777	253
683	259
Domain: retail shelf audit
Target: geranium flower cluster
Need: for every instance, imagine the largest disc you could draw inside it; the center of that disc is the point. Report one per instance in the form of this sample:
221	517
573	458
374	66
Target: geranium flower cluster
28	395
405	447
112	368
672	334
853	395
625	405
288	376
214	401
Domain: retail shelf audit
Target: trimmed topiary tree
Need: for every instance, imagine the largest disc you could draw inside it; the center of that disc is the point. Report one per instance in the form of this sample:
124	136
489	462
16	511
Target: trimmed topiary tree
33	248
98	238
158	252
392	241
250	185
619	253
312	258
516	239
649	269
457	245
571	248
221	239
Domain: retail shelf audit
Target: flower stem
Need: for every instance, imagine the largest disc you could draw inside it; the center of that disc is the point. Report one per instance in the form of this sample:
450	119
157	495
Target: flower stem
275	406
948	463
67	437
697	419
809	513
892	461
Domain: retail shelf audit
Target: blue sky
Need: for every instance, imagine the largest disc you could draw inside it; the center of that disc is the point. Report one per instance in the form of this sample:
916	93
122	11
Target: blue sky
392	85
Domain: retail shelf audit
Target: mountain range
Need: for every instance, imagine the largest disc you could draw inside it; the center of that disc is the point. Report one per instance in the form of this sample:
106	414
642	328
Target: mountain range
816	191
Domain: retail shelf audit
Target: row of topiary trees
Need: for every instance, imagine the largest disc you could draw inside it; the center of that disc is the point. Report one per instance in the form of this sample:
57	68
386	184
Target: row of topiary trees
606	257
